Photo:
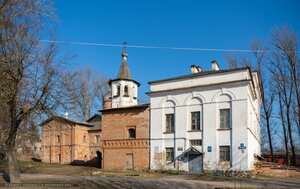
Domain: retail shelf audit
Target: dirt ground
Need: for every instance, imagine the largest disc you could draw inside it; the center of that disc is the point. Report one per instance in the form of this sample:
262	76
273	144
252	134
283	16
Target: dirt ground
40	176
165	182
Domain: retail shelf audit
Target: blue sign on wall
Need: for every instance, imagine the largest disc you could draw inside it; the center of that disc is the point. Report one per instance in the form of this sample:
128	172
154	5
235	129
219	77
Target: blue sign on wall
242	146
209	148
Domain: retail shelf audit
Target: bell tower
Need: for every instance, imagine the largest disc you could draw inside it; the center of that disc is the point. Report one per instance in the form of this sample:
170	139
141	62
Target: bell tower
124	90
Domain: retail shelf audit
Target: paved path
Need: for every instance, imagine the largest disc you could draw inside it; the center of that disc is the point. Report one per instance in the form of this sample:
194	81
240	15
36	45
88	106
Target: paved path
167	182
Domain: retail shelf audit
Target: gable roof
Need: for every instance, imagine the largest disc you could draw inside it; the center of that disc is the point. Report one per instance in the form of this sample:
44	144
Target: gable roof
95	120
60	118
93	117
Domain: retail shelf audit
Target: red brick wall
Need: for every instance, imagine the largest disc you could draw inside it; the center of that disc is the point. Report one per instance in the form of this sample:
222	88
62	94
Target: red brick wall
116	144
71	146
116	158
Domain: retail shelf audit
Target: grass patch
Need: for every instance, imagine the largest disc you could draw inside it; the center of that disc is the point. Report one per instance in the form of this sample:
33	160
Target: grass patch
26	164
49	168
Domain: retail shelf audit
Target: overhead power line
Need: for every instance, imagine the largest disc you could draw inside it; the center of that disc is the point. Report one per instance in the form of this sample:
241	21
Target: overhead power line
156	47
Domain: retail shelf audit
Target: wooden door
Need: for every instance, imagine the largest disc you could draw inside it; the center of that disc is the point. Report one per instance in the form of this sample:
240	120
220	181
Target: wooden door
129	161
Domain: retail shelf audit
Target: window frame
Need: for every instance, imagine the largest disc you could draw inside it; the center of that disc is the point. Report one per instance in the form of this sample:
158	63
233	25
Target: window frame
227	124
170	152
227	156
194	140
197	121
126	91
170	123
118	91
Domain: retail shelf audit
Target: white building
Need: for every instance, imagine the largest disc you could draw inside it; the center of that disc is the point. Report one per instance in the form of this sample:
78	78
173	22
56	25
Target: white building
207	120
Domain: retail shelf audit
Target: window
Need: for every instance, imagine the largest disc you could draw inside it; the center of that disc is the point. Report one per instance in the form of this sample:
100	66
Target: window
59	157
169	154
97	138
118	90
84	137
169	122
224	153
58	139
196	142
126	94
131	133
195	120
224	118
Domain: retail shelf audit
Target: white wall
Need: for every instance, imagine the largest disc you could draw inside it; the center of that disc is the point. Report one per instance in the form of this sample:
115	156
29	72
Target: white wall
208	100
121	101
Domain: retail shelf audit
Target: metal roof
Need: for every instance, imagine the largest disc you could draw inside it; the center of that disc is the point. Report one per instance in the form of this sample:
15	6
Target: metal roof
127	107
124	72
203	73
60	118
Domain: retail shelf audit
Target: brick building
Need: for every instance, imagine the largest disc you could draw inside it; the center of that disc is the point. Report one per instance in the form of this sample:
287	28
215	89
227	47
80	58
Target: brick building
67	141
125	125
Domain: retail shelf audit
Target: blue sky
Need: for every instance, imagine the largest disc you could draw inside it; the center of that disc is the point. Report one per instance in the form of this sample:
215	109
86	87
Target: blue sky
198	24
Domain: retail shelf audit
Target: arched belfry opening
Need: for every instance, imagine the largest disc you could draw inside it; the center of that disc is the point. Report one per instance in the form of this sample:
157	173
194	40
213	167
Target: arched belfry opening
124	88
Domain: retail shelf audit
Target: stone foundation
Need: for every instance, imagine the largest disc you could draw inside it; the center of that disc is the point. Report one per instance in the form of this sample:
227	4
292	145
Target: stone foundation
231	173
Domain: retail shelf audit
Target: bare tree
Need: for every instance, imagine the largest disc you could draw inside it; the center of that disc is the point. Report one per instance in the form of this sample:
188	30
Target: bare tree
260	65
235	61
285	88
101	88
285	41
80	92
283	121
30	73
284	71
267	95
86	91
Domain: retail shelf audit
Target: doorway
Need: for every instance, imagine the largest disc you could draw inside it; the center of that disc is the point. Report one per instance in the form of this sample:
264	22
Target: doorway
99	160
195	163
129	161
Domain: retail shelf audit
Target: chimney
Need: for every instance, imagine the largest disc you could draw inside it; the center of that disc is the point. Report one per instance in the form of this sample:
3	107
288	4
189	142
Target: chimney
195	69
199	69
66	115
215	65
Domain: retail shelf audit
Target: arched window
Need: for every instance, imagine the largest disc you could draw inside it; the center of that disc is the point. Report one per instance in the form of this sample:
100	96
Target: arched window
126	93
118	90
84	138
58	139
